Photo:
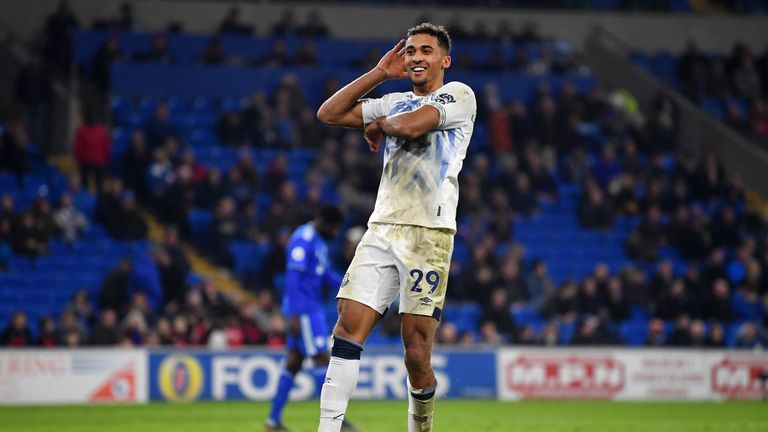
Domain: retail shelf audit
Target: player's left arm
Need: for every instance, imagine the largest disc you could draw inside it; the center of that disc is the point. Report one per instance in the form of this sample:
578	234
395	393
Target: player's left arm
410	125
453	107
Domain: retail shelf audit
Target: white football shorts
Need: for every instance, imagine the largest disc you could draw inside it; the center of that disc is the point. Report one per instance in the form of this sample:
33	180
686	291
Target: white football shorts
413	261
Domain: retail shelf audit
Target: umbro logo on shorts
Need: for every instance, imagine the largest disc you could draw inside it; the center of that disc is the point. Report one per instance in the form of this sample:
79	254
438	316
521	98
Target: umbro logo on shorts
425	300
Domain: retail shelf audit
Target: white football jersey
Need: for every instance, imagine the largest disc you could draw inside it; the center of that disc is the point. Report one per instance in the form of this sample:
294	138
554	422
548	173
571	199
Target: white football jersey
419	184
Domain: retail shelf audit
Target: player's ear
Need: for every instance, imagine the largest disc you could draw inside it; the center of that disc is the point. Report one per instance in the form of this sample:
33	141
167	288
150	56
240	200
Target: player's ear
446	62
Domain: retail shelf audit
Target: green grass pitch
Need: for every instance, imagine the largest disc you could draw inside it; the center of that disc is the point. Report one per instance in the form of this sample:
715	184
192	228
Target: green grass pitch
388	416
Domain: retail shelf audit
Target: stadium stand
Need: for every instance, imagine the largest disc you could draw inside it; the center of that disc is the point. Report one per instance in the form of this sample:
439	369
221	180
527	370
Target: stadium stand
730	87
578	222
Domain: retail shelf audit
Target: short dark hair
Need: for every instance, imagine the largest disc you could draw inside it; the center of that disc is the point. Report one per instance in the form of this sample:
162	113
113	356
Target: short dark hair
443	38
331	214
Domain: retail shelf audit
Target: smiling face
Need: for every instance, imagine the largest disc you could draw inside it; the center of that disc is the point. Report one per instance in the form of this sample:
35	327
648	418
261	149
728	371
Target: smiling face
425	61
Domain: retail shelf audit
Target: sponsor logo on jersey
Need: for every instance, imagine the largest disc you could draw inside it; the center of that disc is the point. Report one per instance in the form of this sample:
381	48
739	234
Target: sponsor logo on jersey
445	98
344	281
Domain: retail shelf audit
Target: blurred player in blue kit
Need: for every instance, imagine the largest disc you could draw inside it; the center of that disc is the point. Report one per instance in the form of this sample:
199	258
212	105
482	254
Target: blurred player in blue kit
406	251
307	273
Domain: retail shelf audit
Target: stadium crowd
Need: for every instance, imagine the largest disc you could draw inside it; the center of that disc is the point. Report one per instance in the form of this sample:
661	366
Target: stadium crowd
734	87
626	166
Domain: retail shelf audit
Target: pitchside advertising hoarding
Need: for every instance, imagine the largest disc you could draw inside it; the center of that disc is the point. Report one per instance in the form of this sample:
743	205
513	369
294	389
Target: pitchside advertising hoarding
131	376
631	374
72	376
184	377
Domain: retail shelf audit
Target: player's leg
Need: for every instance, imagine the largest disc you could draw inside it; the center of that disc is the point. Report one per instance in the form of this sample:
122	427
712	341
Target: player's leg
418	337
424	257
293	362
352	329
369	287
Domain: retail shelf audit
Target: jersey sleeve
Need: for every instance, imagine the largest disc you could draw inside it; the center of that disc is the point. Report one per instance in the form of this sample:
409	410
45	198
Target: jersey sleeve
374	108
456	103
297	257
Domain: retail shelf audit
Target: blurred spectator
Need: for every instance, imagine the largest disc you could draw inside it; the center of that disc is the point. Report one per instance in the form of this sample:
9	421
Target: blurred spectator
596	211
114	288
33	90
213	54
128	224
135	162
691	71
174	266
564	303
656	335
70	221
447	334
43	217
48	334
664	121
550	336
102	61
307	55
14	156
26	239
59	34
106	331
746	81
681	335
716	336
313	26
277	56
92	150
8	217
617	303
157	53
159	128
286	26
71	332
230	129
750	337
587	333
643	242
511	280
496	312
82	308
232	24
539	283
145	286
717	304
523	197
177	200
223	229
212	190
17	334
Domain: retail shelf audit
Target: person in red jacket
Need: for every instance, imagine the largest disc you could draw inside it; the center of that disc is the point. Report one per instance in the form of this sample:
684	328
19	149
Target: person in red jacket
92	150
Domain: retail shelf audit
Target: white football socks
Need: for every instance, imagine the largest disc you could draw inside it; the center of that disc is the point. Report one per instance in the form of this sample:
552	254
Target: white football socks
340	382
421	405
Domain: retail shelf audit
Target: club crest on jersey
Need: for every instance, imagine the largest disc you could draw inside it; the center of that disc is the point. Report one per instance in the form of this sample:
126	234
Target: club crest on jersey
344	281
445	98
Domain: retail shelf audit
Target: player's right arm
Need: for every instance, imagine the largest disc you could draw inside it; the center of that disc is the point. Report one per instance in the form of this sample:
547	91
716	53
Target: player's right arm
344	107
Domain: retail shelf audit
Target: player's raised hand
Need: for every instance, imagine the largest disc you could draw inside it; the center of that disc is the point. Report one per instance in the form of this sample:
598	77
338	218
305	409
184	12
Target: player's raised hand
373	134
392	64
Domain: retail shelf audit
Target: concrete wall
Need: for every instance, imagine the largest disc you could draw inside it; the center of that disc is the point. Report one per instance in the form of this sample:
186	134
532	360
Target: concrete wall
644	31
